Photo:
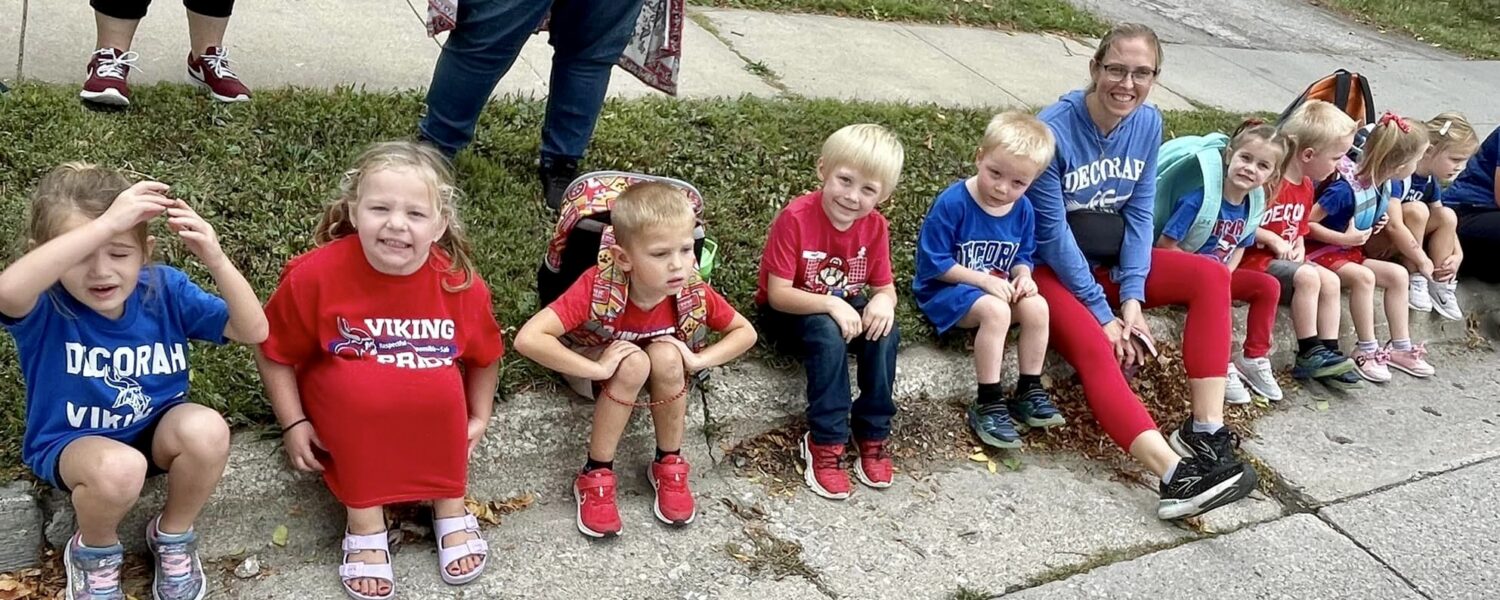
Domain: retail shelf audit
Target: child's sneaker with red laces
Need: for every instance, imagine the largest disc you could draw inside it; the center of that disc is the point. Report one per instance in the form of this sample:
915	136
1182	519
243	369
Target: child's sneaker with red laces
674	501
874	467
108	70
821	468
1412	362
210	71
598	516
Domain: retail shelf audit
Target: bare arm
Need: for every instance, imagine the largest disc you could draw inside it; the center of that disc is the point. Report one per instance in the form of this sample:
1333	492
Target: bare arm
784	297
539	341
281	388
1234	258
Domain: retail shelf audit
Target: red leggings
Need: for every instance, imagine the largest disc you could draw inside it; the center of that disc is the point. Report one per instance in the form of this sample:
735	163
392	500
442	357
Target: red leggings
1262	292
1175	278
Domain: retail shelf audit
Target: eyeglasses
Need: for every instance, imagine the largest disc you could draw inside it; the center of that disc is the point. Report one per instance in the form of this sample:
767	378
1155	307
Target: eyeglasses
1117	73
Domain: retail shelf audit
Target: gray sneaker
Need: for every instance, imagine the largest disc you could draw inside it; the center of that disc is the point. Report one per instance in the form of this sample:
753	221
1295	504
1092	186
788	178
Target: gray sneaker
1445	299
179	573
93	573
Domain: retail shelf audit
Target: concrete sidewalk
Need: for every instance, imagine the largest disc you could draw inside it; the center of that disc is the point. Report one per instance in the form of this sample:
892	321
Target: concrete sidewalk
732	52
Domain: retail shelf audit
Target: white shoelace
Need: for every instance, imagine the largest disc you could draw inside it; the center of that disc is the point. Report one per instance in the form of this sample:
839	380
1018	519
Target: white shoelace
115	66
219	62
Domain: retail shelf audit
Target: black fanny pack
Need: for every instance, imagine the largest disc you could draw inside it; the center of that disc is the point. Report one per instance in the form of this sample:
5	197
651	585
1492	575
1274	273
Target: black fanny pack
1099	234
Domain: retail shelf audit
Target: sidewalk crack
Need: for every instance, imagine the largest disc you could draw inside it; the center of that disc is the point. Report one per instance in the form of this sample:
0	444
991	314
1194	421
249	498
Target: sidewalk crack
1013	97
21	49
1366	549
754	67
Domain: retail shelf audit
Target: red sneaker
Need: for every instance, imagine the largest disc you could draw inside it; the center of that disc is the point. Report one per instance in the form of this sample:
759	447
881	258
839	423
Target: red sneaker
106	84
874	465
820	466
597	514
674	501
210	71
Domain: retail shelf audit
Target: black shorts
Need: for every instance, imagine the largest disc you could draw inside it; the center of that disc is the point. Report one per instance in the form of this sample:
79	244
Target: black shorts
141	442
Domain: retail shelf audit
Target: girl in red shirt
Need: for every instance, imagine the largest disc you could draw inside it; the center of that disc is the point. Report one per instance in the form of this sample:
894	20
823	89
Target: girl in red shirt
383	360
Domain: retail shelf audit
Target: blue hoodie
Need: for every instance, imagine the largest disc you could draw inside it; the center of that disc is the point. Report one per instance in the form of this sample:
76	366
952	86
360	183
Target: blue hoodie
1115	173
1475	187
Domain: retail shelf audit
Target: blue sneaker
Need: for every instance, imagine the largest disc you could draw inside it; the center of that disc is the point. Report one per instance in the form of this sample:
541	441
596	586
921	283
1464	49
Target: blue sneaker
1321	363
991	422
93	573
179	573
1034	408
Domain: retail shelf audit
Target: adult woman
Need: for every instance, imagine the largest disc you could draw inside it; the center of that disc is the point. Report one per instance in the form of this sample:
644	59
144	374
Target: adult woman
1094	234
1475	195
115	22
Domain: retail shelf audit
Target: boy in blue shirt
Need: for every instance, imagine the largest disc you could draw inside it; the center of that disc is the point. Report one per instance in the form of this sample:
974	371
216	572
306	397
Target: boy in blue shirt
974	272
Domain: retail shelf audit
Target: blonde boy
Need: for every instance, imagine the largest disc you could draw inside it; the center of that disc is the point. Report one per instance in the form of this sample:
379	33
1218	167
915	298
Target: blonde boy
826	291
974	259
645	347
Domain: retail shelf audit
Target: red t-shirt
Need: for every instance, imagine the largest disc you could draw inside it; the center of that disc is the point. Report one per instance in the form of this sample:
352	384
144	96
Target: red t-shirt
574	308
377	359
1286	218
804	248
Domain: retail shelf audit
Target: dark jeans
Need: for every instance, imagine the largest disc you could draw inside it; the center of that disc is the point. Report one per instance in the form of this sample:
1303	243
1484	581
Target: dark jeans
1479	233
818	342
135	9
587	37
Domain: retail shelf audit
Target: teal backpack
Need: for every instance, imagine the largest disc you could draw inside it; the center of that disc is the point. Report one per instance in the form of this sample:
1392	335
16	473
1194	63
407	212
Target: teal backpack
1195	162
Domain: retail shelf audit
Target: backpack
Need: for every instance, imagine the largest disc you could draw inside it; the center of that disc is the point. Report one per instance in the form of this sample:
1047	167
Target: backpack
1345	89
1369	203
1194	162
582	240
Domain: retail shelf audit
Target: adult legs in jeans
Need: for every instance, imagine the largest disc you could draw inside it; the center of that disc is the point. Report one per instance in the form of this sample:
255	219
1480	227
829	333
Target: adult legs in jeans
587	39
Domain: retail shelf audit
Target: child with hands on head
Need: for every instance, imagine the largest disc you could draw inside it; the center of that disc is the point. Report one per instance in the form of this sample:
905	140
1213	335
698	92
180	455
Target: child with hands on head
974	261
383	360
656	341
103	335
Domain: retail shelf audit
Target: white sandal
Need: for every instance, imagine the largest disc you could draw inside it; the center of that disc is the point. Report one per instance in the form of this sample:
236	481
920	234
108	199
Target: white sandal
441	528
349	571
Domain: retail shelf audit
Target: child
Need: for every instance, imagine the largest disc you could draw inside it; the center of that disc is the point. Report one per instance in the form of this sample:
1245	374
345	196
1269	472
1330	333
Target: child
1320	135
1422	225
974	272
383	358
646	347
823	250
103	339
1390	152
1255	157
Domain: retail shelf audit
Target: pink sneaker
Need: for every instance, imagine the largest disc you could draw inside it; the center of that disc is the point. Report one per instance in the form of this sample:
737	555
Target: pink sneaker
1371	365
108	70
210	71
1412	362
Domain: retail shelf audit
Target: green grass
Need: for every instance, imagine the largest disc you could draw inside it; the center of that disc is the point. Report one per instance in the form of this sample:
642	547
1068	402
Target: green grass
1467	27
1023	15
261	172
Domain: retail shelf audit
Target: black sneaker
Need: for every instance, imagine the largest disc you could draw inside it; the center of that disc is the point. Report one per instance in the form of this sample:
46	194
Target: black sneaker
1217	447
992	423
1034	408
556	175
1199	486
1346	381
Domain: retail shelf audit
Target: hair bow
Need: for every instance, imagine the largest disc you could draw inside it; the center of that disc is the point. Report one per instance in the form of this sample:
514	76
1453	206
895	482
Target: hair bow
1390	117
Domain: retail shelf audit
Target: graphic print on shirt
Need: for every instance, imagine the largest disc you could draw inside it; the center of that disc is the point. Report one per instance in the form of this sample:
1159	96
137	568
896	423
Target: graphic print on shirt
1289	215
833	275
1228	235
1096	174
404	343
120	369
988	256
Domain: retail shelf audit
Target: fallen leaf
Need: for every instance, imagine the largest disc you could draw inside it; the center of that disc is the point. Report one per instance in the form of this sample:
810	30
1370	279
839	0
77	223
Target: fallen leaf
1012	463
991	465
979	457
279	536
1322	405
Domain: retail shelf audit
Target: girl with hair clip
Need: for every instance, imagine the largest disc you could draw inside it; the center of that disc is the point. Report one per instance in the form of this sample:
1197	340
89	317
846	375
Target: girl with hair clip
383	360
1339	228
1422	225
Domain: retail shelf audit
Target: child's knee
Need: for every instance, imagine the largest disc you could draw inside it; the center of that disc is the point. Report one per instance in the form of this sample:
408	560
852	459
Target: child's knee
633	370
1033	312
1444	217
1415	212
822	337
1358	276
991	312
666	364
200	431
116	475
1307	279
1327	280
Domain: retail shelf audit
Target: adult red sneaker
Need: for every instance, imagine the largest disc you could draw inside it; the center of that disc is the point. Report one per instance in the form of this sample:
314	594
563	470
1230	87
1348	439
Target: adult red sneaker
598	516
210	71
874	465
674	501
108	70
821	469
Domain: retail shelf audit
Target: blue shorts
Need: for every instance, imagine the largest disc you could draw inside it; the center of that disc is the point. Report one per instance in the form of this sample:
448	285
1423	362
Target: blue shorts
49	467
949	305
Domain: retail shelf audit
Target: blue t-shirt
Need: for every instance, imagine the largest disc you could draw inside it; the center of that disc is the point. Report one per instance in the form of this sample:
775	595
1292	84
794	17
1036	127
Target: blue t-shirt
1231	230
1475	187
88	375
1417	188
958	232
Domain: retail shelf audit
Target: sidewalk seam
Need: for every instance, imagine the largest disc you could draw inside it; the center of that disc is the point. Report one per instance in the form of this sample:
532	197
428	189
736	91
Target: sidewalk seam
1018	101
760	70
1358	544
1405	482
21	43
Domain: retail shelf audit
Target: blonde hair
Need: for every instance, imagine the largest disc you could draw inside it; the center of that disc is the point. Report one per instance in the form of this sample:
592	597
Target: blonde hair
1258	130
1021	134
75	187
1124	31
1393	143
868	148
1318	125
1451	130
425	162
648	206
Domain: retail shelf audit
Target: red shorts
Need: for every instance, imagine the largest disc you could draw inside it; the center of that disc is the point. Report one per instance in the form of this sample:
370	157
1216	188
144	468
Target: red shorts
1335	257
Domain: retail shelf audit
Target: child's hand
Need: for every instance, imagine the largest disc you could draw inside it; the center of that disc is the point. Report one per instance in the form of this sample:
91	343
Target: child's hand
1023	287
196	234
998	288
690	360
1282	249
299	442
610	359
1297	253
1354	236
1425	267
1445	270
1380	224
848	319
879	317
137	204
476	433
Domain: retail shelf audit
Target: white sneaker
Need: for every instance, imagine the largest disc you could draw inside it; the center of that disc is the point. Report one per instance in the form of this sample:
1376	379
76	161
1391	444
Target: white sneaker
1445	299
1234	390
1257	374
1418	297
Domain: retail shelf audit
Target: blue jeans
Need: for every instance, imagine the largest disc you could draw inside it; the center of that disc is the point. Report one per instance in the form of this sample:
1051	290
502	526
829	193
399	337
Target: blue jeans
818	342
587	37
